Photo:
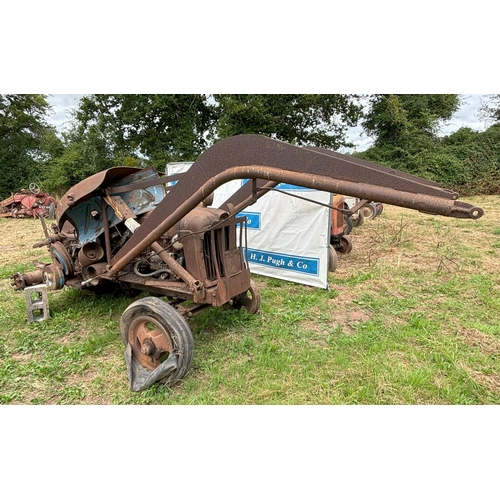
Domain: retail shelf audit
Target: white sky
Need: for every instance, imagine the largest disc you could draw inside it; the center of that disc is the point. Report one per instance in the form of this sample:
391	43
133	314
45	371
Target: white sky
466	116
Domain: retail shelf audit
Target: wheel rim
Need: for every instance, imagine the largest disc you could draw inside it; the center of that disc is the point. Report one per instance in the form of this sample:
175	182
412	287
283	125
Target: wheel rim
358	218
345	245
250	299
154	330
367	211
150	341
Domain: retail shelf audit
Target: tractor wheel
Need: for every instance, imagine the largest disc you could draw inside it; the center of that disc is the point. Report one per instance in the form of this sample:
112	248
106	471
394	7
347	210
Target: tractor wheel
34	189
154	329
348	225
358	218
250	299
333	259
345	245
369	211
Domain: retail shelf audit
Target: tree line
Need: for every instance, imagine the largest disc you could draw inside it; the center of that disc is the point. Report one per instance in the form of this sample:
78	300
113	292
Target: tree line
107	130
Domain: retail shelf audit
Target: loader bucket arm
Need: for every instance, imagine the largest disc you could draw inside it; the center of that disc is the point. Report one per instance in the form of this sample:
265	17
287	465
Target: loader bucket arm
271	162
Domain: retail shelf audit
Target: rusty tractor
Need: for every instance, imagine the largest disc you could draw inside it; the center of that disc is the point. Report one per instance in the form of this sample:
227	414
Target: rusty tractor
134	229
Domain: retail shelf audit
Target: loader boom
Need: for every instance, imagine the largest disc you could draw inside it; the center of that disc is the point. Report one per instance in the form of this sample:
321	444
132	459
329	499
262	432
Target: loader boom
267	160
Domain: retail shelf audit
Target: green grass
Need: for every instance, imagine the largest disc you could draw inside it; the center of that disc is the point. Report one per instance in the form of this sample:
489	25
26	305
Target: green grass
411	318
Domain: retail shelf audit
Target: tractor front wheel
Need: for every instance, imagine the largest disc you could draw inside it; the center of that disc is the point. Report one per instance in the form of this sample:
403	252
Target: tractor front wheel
154	330
250	299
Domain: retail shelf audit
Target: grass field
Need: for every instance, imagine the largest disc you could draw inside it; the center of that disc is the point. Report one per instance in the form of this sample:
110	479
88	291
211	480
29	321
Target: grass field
411	318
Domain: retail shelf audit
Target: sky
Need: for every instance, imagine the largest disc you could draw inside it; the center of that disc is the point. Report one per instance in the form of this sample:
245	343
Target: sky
466	116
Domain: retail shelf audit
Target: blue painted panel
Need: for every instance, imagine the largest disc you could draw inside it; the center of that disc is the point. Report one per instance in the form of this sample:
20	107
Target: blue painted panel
253	219
296	263
87	216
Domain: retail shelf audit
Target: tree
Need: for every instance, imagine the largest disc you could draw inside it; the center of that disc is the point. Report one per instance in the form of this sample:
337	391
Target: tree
167	127
25	137
478	154
490	108
397	118
405	128
83	154
302	119
154	129
405	131
157	127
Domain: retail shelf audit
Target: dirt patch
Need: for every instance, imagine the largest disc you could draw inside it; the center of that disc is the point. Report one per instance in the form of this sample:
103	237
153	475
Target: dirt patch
72	337
22	357
22	235
490	382
489	345
347	321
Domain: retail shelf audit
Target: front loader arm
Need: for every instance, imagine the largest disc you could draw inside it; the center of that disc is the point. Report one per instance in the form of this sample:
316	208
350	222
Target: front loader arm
271	162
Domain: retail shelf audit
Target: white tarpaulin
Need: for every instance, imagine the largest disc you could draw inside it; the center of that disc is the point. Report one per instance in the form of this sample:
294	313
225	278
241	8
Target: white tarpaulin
288	238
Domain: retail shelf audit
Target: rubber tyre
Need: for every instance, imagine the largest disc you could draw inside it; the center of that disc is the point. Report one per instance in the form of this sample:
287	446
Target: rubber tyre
369	211
358	219
173	325
345	245
348	225
333	259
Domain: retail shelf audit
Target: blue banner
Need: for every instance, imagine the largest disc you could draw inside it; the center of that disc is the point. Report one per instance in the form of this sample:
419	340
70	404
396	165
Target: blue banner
297	263
253	219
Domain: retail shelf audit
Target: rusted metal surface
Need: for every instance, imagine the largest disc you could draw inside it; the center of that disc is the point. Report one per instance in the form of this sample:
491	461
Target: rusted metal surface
28	204
131	228
124	224
81	209
149	344
258	157
88	187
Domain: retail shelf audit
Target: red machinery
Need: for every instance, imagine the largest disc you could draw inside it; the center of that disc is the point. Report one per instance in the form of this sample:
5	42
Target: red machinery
28	203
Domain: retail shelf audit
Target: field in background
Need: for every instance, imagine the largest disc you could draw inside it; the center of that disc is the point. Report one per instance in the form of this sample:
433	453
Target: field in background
411	317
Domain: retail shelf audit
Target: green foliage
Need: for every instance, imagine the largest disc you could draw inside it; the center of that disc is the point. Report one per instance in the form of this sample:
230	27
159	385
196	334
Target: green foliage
159	127
405	131
83	155
301	119
26	140
479	157
394	118
490	109
153	129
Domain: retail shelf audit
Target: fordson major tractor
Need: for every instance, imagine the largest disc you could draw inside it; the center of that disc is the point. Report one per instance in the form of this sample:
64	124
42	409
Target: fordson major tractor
134	229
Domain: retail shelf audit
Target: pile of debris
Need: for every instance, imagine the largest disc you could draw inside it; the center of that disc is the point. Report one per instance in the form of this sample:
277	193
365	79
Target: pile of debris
28	203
